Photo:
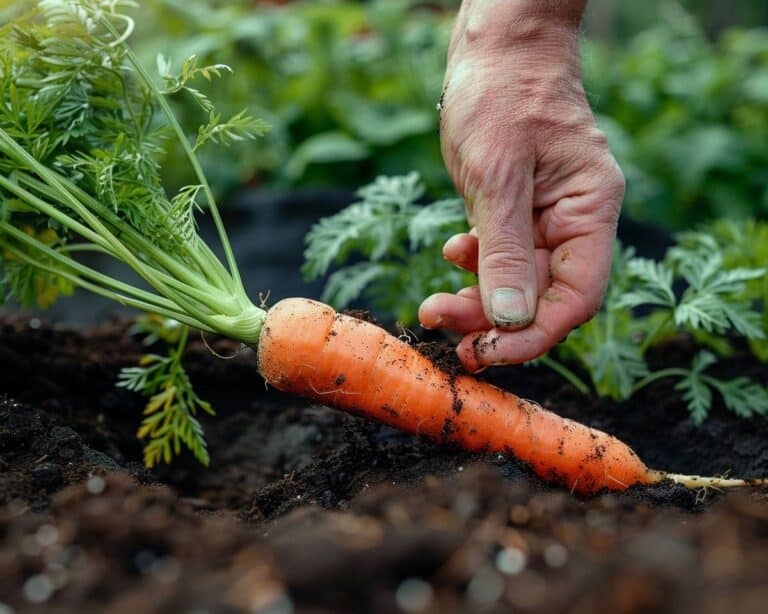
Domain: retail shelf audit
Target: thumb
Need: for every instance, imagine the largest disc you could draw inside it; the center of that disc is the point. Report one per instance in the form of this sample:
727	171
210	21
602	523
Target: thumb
506	259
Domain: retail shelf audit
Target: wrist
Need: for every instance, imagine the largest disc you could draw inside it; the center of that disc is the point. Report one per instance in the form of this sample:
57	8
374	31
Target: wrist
548	26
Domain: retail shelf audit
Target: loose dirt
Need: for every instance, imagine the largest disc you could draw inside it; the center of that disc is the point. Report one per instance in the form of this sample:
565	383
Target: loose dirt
306	509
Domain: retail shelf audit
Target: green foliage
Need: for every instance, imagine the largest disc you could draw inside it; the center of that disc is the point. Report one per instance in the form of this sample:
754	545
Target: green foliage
711	306
713	299
686	117
399	240
741	395
170	416
238	128
743	244
349	88
30	284
710	286
82	131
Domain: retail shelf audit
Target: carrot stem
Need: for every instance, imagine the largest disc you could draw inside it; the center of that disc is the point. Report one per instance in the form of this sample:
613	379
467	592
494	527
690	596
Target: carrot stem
565	373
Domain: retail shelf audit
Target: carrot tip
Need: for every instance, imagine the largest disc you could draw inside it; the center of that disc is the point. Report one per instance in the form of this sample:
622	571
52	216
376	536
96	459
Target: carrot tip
698	481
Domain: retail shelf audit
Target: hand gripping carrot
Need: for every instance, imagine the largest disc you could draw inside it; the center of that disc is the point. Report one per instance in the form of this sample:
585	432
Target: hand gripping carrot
55	208
307	348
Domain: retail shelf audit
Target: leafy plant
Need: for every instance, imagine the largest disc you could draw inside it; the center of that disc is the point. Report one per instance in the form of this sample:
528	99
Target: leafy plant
349	88
686	117
690	292
705	287
388	244
743	244
170	414
82	131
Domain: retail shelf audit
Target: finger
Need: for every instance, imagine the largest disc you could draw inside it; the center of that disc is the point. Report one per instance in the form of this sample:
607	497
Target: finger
460	313
472	292
455	313
462	250
580	270
506	257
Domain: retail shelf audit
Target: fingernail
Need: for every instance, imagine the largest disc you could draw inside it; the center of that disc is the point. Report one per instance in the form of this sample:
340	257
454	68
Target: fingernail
509	308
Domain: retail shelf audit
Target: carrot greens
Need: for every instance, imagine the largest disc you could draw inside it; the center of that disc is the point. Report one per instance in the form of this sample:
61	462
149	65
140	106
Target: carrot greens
82	127
386	247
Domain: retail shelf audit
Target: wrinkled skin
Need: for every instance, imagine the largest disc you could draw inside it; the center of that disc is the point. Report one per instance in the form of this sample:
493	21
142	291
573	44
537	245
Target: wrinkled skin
543	191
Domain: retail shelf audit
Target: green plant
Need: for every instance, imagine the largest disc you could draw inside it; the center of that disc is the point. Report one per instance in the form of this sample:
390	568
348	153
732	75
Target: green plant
389	246
613	346
82	129
350	88
743	244
687	118
170	416
707	288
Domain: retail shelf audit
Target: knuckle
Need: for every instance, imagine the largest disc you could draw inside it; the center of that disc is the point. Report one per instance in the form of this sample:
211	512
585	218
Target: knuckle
508	260
614	181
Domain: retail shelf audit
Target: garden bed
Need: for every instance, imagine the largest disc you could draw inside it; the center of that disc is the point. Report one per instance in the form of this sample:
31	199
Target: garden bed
309	509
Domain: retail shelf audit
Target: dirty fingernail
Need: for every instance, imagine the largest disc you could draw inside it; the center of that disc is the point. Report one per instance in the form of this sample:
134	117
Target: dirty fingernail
509	308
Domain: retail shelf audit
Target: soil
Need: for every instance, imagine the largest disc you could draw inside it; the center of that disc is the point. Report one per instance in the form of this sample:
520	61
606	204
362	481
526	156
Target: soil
306	509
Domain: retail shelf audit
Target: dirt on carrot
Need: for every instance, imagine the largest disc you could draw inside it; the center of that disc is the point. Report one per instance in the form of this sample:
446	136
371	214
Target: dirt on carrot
443	356
310	508
362	314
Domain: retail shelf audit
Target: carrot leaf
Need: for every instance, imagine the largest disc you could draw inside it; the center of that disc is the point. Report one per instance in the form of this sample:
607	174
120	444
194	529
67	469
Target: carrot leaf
83	133
399	241
172	409
741	395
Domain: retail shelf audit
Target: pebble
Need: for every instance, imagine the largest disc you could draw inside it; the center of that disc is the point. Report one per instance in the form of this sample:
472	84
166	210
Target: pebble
47	535
38	588
95	485
414	595
555	555
511	561
281	605
486	587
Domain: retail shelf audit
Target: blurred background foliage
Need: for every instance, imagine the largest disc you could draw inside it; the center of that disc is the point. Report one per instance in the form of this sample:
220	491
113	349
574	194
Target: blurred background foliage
350	90
687	117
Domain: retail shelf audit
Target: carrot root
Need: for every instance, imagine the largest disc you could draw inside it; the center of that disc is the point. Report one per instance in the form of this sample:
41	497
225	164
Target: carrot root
307	348
698	481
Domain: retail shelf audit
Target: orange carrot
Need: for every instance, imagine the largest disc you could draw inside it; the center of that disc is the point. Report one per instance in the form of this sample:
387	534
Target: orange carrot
308	349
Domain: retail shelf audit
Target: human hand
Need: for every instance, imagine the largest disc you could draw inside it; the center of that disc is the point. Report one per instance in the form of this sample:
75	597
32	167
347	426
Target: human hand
543	191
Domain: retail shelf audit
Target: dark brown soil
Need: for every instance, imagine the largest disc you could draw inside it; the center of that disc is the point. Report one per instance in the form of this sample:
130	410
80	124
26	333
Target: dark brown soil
307	509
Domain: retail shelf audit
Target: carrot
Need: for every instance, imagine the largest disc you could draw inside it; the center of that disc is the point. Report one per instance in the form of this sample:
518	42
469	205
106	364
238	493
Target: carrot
308	349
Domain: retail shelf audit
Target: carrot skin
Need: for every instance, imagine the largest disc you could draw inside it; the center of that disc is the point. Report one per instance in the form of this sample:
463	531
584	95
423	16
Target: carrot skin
308	349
